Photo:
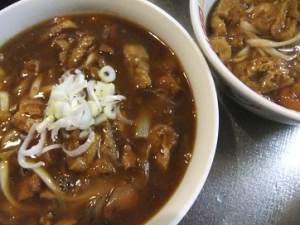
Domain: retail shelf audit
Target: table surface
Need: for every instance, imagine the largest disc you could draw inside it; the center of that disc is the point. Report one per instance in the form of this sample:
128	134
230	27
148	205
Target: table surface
255	176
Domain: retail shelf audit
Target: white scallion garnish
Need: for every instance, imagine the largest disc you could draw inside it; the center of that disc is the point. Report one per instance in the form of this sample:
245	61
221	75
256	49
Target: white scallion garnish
107	74
74	103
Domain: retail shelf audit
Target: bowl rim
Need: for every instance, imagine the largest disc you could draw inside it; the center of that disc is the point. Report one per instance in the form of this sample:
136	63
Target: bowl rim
223	71
202	159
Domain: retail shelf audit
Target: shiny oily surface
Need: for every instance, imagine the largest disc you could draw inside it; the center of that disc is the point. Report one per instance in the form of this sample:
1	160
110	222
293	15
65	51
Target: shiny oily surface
255	177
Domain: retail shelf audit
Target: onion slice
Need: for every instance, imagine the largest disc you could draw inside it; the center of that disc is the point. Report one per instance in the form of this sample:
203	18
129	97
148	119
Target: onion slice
82	148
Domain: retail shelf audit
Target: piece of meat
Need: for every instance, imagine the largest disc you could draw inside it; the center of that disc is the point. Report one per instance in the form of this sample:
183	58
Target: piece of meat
80	50
263	16
81	163
24	190
71	139
35	183
30	68
236	38
64	45
286	24
231	10
218	25
162	139
106	49
137	63
29	186
104	144
128	157
58	28
108	146
167	84
264	74
32	107
30	111
110	32
221	47
123	197
102	166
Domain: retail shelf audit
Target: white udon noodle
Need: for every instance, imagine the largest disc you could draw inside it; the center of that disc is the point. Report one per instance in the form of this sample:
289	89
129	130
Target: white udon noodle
267	47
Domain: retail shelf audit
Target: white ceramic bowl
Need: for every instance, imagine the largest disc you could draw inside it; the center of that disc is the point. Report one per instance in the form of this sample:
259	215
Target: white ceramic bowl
25	13
243	95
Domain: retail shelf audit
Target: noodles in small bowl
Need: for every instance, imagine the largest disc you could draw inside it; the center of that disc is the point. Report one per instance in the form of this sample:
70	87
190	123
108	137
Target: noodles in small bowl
253	50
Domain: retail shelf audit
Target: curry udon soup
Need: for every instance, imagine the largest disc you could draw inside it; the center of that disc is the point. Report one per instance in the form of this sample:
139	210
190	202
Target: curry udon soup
97	123
259	43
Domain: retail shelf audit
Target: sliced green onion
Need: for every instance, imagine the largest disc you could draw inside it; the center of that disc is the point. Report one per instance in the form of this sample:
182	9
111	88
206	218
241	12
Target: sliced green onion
110	112
107	74
108	89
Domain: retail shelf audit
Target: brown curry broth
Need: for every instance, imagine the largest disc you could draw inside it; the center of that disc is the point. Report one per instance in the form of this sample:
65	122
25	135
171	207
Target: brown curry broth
160	186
